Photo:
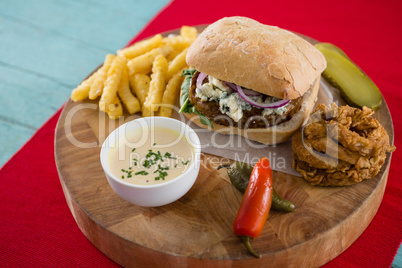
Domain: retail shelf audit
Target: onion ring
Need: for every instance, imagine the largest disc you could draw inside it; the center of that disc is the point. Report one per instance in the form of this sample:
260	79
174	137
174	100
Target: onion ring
340	146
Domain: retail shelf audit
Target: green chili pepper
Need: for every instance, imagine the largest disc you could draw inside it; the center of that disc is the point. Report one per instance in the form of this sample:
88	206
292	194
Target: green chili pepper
239	175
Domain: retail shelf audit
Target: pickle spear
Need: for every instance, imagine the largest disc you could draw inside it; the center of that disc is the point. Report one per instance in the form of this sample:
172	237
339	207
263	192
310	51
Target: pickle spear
332	47
356	87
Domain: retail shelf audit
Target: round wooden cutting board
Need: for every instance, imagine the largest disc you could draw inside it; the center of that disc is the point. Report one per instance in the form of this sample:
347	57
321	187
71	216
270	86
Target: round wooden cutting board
197	229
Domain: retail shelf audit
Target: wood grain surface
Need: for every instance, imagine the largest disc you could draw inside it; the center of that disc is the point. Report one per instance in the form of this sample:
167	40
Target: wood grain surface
197	229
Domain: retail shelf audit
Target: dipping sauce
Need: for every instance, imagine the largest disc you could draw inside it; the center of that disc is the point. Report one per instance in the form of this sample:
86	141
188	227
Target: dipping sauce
147	157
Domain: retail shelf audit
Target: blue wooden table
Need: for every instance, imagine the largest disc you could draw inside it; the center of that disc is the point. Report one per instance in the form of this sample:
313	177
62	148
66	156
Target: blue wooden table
48	46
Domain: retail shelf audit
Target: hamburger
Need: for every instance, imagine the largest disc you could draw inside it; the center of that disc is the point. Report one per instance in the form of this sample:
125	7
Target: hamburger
251	79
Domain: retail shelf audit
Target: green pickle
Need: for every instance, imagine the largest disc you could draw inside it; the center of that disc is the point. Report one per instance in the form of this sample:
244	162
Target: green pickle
332	47
239	174
356	87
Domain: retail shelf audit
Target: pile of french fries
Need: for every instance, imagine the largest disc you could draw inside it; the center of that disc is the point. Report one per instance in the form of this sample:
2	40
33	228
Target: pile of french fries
144	77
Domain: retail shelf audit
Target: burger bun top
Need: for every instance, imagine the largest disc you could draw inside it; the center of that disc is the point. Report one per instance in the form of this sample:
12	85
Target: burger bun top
264	58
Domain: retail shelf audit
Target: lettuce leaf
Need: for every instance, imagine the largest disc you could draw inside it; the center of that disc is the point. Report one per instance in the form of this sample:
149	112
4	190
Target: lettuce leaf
185	104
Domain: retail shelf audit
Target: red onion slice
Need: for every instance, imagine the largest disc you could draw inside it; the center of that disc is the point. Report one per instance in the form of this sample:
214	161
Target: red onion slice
248	92
200	79
231	85
244	93
272	105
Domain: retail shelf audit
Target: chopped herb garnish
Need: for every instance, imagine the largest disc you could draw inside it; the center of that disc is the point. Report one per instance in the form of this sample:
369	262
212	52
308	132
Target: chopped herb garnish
147	164
154	144
151	160
169	155
142	172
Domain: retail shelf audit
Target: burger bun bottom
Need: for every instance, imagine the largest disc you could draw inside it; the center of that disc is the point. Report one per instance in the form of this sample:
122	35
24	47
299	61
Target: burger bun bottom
275	134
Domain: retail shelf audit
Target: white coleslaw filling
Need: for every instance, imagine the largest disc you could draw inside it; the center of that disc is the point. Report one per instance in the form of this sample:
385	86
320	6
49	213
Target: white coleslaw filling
230	103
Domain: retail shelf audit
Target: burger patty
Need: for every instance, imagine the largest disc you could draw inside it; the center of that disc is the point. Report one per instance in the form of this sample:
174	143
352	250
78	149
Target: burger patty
251	118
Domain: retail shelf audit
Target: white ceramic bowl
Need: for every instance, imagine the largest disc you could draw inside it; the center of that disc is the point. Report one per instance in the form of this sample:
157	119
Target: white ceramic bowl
157	194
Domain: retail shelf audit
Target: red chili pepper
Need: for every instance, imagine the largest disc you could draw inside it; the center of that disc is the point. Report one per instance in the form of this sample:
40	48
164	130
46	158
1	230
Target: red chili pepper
255	205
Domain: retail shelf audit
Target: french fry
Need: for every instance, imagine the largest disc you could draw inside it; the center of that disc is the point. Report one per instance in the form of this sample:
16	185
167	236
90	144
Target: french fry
127	98
111	84
98	83
141	47
190	33
82	91
115	109
178	42
140	86
173	55
143	63
143	77
178	63
157	85
170	95
145	111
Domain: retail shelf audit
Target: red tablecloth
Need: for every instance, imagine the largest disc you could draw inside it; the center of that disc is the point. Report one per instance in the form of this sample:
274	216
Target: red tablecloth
36	226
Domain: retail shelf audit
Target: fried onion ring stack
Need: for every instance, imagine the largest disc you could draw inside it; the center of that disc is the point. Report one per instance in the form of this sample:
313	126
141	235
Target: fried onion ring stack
340	146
